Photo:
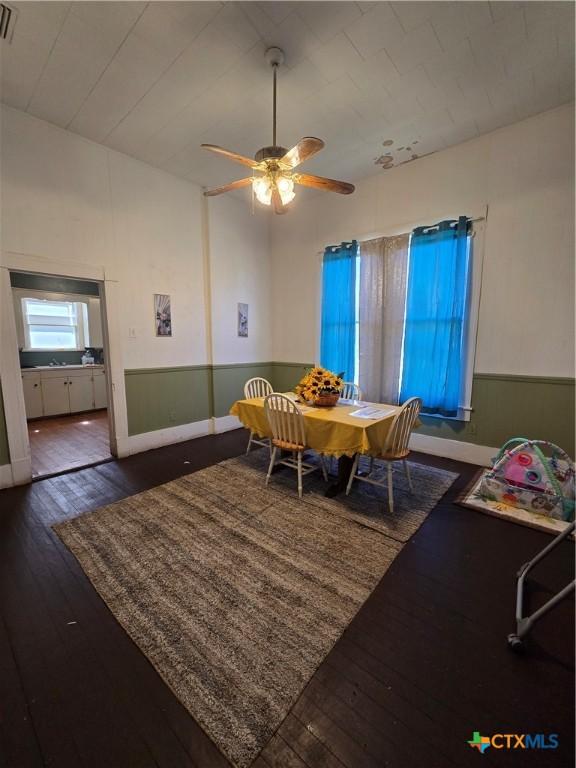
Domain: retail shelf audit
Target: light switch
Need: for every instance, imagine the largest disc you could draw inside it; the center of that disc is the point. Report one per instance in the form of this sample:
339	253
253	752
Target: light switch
132	333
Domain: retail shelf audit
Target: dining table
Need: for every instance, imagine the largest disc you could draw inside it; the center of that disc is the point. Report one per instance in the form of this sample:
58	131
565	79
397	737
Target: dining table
340	431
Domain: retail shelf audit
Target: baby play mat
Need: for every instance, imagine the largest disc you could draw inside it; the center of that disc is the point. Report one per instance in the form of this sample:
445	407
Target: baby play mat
531	482
473	499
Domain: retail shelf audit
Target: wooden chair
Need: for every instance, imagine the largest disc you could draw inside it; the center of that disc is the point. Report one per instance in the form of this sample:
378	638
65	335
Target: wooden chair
351	391
257	387
288	434
394	449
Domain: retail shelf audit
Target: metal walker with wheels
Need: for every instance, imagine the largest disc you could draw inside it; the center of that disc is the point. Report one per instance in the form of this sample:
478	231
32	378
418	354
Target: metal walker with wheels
524	623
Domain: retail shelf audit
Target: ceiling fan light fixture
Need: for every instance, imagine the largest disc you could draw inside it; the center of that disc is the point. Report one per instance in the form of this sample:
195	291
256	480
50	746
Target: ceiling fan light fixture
285	185
262	187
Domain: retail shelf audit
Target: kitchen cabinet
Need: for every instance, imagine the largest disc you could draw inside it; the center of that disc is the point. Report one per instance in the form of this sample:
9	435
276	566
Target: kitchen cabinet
62	390
55	396
100	393
81	393
33	396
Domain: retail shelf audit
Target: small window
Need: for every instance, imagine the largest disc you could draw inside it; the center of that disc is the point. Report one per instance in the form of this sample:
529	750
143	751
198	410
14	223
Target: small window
54	325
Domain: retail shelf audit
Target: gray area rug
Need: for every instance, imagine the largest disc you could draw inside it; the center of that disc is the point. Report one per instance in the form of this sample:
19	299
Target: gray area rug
236	592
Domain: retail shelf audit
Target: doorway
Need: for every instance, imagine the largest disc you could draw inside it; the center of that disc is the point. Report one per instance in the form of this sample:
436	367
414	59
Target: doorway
64	370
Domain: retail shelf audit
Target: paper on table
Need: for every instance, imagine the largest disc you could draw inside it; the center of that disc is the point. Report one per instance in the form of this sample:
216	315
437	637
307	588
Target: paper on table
294	397
369	412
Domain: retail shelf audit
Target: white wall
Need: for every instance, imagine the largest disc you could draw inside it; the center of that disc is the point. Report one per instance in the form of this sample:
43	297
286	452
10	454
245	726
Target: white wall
524	174
69	199
240	272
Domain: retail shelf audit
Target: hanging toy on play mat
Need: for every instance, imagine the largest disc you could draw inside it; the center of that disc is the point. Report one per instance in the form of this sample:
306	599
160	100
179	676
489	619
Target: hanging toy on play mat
524	476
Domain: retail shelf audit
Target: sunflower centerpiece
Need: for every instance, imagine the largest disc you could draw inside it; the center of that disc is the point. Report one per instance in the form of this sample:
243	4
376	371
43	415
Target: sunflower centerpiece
320	387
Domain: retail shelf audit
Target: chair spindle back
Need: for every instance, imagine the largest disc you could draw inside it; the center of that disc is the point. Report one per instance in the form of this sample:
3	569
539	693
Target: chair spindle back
286	421
257	387
351	391
401	429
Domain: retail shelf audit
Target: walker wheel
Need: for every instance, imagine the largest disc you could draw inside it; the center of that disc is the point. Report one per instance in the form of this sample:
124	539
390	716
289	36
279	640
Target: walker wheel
515	643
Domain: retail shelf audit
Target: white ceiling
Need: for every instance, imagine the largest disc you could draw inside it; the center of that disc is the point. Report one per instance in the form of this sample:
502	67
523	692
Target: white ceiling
157	79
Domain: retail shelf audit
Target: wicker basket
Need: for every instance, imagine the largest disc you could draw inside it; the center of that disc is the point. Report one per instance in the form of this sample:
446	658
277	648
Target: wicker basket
327	400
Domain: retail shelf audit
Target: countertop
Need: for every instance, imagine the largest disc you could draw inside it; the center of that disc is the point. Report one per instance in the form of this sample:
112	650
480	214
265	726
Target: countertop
61	367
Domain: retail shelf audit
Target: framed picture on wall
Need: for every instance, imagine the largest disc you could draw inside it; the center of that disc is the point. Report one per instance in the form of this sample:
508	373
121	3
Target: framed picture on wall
162	314
242	319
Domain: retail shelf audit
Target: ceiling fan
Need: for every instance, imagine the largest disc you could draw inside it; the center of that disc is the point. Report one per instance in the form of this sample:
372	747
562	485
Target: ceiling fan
275	186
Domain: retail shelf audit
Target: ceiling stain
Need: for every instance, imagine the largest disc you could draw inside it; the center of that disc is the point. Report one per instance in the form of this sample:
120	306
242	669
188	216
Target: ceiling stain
388	160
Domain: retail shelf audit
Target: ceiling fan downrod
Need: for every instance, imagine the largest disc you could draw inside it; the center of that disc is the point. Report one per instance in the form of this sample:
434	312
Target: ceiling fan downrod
274	73
275	57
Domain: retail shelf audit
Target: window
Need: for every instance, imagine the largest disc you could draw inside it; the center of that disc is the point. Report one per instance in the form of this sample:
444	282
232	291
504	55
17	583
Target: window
409	306
436	314
54	325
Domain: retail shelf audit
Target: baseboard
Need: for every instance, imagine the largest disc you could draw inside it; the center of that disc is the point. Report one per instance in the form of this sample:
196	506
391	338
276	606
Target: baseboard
22	470
17	473
6	479
454	449
147	441
226	423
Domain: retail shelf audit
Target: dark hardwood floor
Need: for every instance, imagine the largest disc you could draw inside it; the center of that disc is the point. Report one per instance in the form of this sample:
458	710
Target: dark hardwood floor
422	666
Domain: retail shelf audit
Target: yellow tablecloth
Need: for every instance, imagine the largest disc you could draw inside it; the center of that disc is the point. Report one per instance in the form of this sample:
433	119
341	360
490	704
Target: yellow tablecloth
331	431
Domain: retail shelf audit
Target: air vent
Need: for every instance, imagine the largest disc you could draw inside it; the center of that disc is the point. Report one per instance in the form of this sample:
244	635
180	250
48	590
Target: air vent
7	19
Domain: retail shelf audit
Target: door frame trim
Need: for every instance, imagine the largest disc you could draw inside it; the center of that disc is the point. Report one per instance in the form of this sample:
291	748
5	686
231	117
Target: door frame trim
10	372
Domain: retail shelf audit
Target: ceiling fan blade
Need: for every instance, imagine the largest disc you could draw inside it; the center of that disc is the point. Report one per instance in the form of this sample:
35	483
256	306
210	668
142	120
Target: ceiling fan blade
277	202
306	148
328	185
231	155
227	187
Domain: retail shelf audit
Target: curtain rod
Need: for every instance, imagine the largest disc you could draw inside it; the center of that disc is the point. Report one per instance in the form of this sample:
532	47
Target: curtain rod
398	234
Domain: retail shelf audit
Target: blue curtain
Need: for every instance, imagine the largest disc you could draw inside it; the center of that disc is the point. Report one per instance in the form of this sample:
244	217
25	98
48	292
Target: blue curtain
338	334
436	305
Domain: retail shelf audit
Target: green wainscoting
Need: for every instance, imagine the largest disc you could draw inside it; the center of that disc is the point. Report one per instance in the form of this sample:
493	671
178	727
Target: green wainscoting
4	449
285	376
157	398
229	380
504	406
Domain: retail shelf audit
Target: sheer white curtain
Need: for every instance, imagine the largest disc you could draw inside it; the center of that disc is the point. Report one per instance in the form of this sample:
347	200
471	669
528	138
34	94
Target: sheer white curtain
383	271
